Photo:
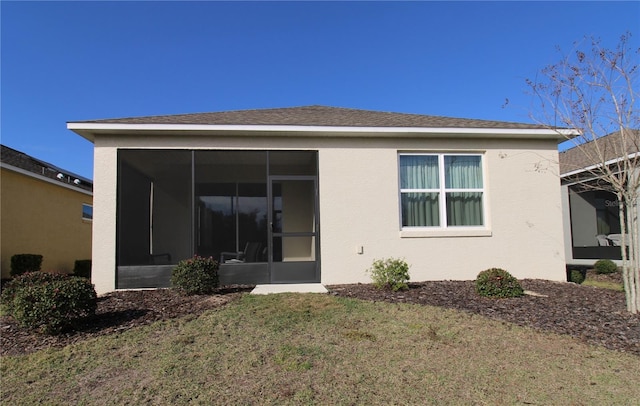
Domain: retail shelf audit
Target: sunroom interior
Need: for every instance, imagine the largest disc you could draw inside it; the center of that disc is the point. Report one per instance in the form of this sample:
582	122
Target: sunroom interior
253	211
595	223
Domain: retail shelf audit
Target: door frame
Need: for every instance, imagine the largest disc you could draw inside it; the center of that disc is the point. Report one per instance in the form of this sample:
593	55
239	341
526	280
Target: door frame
275	267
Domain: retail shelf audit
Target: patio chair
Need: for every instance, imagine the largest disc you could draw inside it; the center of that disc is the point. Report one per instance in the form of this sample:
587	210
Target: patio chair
603	241
616	239
250	254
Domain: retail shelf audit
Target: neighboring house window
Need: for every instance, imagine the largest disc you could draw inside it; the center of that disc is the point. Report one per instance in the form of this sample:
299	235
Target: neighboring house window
441	190
87	212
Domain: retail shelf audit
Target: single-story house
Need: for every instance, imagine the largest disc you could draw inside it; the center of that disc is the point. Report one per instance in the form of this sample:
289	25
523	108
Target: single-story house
591	210
45	210
315	194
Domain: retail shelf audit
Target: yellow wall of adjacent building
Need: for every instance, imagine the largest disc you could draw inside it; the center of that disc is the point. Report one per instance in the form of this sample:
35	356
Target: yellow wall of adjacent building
40	217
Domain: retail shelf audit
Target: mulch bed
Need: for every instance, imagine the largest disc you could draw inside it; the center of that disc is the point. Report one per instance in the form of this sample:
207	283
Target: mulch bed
594	315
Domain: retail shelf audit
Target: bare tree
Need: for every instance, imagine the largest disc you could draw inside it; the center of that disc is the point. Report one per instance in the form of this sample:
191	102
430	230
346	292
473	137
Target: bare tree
594	90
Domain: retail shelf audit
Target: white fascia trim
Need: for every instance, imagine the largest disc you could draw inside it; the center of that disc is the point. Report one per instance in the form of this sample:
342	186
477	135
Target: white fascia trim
117	127
600	165
44	178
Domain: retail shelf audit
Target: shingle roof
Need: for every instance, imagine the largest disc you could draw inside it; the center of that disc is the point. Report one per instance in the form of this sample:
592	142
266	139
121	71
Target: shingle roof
597	151
318	116
10	156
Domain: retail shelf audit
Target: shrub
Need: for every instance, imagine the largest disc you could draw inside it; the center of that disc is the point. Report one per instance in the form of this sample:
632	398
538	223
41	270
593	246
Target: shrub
496	282
605	266
51	303
196	276
82	268
390	273
577	276
23	281
23	263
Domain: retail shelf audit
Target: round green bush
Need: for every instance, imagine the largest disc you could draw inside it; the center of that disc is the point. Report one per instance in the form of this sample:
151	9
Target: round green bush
23	281
196	276
23	263
605	266
51	303
390	273
576	276
496	282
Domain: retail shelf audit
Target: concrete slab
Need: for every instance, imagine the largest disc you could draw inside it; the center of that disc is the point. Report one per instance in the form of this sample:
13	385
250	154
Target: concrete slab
289	288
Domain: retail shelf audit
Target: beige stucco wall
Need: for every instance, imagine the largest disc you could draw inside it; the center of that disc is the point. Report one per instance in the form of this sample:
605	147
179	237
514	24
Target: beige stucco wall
359	206
40	217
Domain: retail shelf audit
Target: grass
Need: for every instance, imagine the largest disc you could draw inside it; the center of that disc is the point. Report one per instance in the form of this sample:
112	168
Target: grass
320	349
604	284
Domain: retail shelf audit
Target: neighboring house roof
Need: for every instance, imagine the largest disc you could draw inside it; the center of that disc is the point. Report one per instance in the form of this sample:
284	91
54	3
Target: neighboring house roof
596	152
303	119
16	160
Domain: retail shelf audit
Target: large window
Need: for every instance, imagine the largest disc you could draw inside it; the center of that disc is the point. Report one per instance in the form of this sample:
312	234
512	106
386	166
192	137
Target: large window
441	190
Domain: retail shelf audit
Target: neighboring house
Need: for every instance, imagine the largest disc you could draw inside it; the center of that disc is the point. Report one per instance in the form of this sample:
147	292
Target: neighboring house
315	194
591	213
44	210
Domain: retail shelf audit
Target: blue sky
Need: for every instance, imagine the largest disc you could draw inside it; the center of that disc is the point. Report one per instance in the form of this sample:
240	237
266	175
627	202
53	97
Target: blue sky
73	61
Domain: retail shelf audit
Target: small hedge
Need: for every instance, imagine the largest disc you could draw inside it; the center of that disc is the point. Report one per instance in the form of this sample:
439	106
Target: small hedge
82	268
390	273
23	263
605	266
196	276
498	283
577	275
51	303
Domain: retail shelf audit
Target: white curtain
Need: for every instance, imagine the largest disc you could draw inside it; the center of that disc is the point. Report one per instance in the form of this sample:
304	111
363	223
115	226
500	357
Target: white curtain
463	208
420	190
419	209
462	172
419	172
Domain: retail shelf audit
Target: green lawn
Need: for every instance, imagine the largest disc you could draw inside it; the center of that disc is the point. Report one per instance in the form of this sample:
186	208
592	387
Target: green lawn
320	349
604	284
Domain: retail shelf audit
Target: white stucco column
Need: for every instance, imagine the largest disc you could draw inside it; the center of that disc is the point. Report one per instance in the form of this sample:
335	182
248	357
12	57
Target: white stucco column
103	274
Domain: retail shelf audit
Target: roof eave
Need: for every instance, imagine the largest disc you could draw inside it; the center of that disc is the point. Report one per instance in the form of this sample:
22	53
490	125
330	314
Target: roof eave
599	165
90	130
45	179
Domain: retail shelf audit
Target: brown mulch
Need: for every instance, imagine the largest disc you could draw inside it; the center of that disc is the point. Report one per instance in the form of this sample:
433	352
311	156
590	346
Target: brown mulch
594	315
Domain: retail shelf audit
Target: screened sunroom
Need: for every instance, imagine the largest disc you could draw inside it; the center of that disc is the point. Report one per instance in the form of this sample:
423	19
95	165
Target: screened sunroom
595	223
256	212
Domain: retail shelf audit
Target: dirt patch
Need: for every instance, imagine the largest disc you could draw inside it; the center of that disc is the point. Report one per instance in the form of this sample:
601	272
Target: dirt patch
595	315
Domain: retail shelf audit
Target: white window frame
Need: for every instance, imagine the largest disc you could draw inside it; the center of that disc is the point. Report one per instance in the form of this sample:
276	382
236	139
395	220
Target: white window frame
443	229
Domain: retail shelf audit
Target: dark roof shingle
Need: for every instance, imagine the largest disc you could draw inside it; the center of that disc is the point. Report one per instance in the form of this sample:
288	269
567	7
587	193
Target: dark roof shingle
15	158
597	151
318	116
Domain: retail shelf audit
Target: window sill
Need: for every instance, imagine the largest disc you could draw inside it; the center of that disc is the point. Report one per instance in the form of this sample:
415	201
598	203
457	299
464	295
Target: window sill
436	233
